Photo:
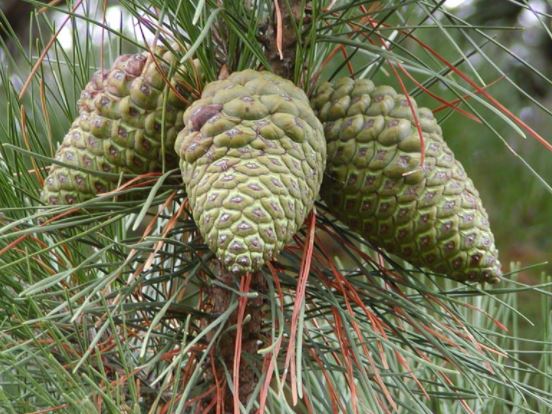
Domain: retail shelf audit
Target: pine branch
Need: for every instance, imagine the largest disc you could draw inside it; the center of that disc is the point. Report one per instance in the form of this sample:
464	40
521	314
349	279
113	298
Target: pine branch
281	37
242	336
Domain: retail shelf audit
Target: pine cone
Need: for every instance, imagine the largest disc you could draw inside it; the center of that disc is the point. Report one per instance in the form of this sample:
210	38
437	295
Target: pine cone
430	216
252	159
120	128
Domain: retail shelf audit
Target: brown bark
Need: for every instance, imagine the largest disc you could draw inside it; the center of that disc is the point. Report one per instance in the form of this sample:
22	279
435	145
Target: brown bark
283	63
250	362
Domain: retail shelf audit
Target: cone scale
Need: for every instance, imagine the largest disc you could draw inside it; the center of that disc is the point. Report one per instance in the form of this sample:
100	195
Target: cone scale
430	215
252	159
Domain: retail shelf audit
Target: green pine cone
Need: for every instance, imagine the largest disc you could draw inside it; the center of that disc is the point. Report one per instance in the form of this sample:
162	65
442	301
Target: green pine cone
431	216
119	129
252	159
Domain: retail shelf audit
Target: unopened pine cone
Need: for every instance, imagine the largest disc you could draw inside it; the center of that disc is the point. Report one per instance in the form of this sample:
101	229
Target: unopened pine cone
252	159
430	215
124	126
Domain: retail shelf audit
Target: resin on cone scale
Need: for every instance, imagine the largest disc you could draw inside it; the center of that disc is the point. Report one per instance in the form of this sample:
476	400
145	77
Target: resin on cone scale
126	124
252	159
432	216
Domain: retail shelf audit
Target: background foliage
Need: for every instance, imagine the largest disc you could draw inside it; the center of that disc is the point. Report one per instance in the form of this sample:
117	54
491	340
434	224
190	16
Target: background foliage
103	312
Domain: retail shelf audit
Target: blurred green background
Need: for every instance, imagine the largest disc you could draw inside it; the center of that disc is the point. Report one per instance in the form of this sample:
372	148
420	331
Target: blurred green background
519	201
520	206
